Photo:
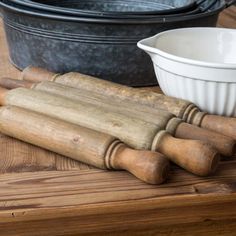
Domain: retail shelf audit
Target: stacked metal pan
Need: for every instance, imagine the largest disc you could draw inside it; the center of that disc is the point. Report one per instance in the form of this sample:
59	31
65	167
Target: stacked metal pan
98	37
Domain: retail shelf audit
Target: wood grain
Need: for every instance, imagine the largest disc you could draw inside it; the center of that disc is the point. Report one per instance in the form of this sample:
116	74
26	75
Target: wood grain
165	120
52	200
175	126
17	156
195	156
227	18
100	203
82	144
108	90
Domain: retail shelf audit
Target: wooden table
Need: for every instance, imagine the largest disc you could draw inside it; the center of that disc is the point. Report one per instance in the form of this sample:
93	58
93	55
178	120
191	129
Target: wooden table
42	193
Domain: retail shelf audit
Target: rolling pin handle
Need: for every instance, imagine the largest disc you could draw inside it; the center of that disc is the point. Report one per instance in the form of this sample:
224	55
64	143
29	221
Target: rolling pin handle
151	167
36	74
225	145
220	124
197	157
3	93
10	83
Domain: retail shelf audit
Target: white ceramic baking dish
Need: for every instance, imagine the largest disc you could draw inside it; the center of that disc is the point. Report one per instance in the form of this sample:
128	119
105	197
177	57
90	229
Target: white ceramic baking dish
197	64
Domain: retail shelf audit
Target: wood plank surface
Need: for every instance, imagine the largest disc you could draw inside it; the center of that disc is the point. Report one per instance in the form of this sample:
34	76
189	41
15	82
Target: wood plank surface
94	201
84	200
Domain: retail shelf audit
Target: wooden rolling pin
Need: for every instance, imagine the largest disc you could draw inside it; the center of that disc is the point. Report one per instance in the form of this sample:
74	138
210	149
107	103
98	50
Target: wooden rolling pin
181	108
91	147
225	145
195	156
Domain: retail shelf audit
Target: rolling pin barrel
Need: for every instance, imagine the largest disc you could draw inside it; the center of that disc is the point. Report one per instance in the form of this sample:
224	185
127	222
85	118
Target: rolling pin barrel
82	144
136	133
181	108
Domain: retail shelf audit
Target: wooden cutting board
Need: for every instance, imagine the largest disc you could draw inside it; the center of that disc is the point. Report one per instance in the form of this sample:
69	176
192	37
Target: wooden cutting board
42	193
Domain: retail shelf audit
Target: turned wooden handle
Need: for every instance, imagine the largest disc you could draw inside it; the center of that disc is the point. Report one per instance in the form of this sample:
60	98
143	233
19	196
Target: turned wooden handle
225	145
151	167
3	93
82	144
195	156
220	124
36	74
10	83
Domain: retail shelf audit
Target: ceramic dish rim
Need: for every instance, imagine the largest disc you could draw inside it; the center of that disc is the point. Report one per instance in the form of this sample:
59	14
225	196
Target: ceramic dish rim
142	44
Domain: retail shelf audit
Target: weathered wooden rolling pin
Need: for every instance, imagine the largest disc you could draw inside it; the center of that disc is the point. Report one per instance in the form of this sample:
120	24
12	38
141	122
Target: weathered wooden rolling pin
165	120
91	147
195	156
181	108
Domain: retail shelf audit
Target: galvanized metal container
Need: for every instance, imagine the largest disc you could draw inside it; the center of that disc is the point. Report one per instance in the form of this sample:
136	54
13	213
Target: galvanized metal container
104	48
